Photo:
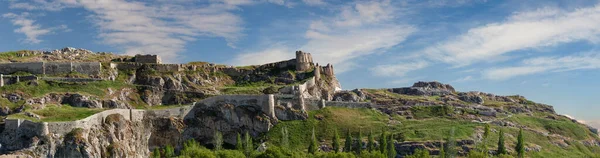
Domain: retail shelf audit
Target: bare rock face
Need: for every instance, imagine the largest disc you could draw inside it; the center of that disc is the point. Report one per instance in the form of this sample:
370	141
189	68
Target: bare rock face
78	100
346	96
116	137
471	97
425	88
226	118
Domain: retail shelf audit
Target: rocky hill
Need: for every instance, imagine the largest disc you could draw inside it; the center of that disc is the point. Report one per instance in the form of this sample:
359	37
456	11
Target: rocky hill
55	106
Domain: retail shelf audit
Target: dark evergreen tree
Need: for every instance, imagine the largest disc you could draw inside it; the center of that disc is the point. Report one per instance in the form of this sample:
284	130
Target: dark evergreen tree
336	142
248	146
382	142
371	142
501	148
520	147
360	143
169	151
348	143
156	153
391	149
442	150
312	148
450	145
239	144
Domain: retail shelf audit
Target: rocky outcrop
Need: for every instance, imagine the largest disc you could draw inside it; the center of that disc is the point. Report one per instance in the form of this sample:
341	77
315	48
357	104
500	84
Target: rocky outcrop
471	97
425	88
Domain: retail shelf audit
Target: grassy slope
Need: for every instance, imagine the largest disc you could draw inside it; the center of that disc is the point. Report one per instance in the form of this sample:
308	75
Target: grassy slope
55	113
430	129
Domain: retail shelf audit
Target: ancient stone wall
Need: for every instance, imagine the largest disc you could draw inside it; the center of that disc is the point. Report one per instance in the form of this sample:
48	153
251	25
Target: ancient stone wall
89	68
33	67
57	67
154	59
158	67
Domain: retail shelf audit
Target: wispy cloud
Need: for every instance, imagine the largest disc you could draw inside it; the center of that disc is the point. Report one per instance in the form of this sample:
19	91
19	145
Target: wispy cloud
314	2
157	28
523	30
360	29
28	27
546	64
269	55
464	79
398	69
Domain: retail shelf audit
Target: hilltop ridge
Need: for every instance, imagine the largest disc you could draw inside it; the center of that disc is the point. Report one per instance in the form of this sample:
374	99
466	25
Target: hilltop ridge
58	102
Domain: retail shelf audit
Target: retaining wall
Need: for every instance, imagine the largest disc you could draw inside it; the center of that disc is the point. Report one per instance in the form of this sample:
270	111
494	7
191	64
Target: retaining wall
34	67
89	68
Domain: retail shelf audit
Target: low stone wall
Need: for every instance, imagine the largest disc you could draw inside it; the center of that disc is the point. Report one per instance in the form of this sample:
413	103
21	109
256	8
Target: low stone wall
71	79
349	104
157	67
89	68
33	67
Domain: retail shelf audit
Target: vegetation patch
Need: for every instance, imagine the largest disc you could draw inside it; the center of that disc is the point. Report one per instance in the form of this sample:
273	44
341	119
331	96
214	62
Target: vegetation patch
44	87
54	113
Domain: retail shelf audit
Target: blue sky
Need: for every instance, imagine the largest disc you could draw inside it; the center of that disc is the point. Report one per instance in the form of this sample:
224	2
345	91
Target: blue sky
545	50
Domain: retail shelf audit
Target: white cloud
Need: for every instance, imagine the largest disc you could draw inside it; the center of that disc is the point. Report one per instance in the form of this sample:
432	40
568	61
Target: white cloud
28	27
359	29
398	69
464	79
269	55
523	30
546	64
314	2
161	27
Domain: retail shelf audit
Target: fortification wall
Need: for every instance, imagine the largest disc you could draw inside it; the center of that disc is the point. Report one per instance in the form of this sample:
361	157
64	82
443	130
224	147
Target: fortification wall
157	67
33	67
57	67
90	68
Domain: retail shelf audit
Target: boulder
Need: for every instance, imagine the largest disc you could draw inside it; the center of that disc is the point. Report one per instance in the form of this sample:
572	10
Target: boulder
78	100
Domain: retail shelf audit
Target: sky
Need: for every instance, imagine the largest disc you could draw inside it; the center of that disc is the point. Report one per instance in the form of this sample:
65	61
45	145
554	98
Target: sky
545	50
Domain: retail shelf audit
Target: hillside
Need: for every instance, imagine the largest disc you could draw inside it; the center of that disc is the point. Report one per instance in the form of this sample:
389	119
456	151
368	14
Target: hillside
77	103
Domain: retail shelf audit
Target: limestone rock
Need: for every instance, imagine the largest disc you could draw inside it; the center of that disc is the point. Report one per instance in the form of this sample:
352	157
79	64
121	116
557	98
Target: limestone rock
78	100
346	96
425	88
471	97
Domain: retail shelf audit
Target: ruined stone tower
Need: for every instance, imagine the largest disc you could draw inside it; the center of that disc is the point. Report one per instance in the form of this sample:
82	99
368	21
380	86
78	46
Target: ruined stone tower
328	70
304	61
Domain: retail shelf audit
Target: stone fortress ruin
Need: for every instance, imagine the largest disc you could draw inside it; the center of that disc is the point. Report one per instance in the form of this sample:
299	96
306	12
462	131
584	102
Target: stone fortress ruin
290	103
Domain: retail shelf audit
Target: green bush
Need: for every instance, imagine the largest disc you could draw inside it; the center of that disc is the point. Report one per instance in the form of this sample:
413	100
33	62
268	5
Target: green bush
230	154
192	149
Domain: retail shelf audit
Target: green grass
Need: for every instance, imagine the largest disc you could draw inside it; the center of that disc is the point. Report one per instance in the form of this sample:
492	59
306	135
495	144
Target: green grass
437	129
62	113
331	119
421	112
98	89
562	126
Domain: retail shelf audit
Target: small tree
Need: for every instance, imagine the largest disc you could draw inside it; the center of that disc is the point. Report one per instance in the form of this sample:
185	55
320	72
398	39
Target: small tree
501	148
336	142
248	147
218	140
391	149
348	143
360	143
312	148
486	131
450	145
371	142
382	142
156	153
442	150
239	145
169	151
285	138
520	147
